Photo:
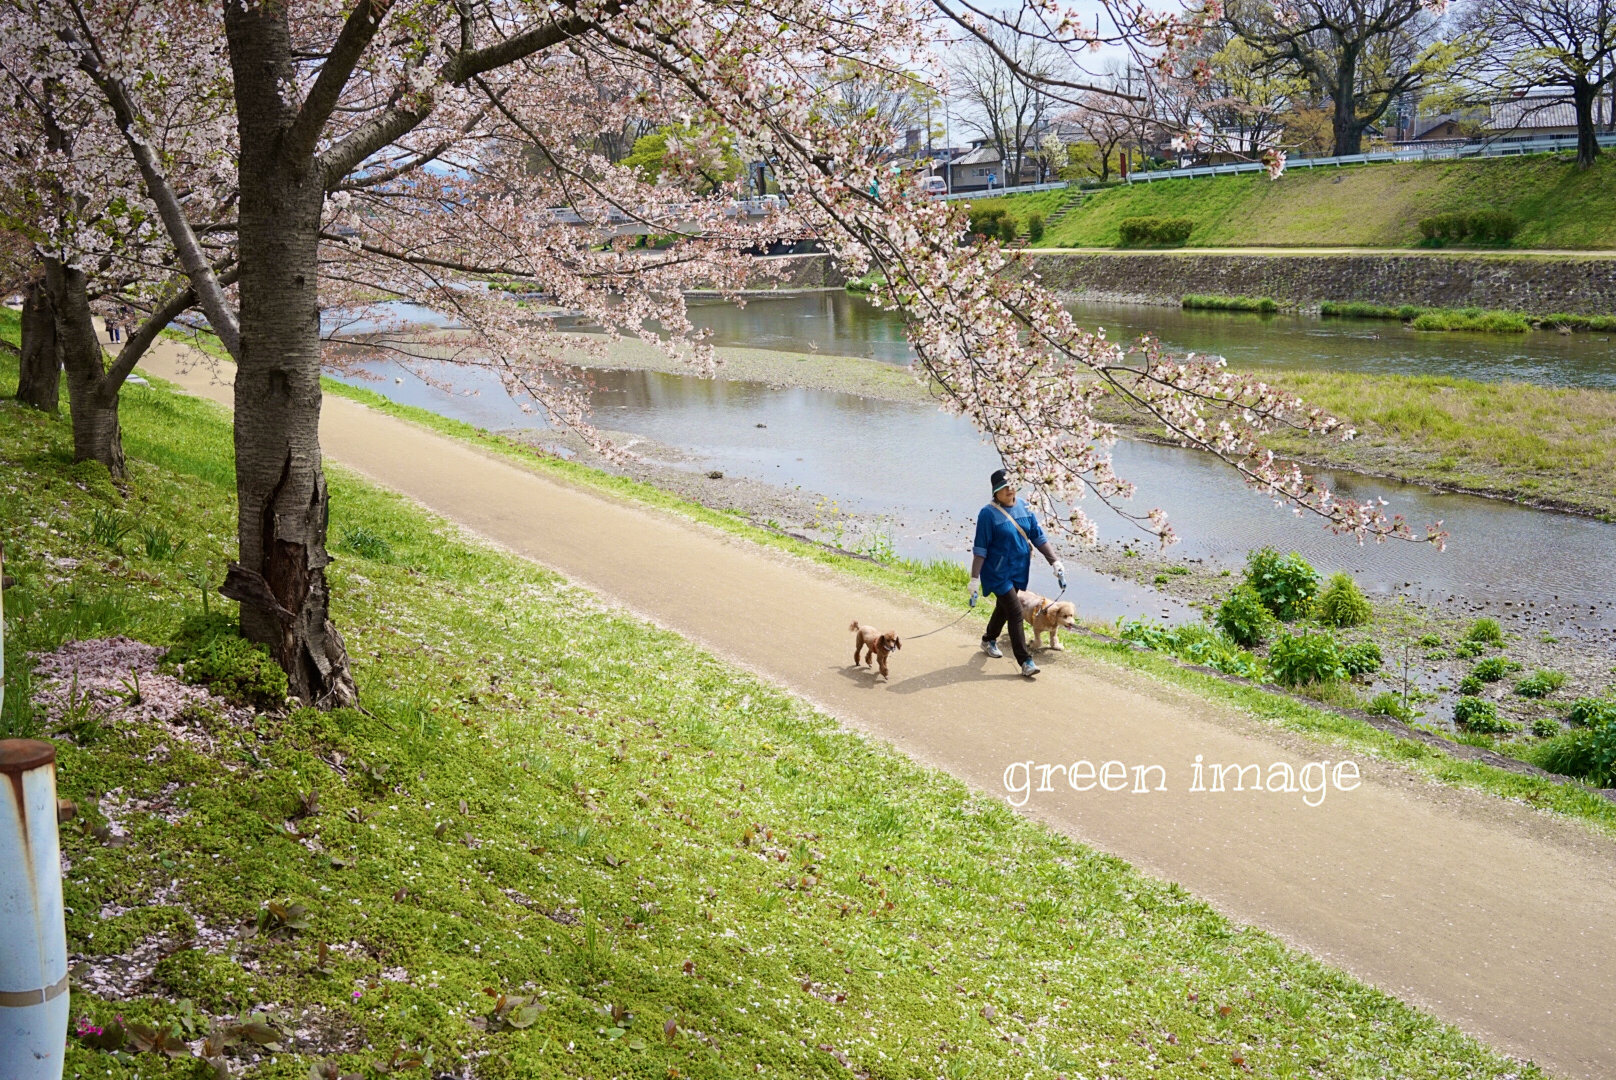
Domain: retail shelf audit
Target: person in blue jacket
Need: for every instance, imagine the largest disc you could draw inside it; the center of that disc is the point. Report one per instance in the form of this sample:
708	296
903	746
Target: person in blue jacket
1006	533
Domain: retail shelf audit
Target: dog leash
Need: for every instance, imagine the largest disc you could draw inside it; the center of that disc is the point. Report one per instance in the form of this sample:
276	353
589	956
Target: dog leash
956	622
940	629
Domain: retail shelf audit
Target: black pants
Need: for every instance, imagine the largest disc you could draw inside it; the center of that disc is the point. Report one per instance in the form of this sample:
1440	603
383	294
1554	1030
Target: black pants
1007	610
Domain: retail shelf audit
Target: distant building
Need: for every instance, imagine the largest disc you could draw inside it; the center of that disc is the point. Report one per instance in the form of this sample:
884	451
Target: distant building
980	168
1543	112
1436	128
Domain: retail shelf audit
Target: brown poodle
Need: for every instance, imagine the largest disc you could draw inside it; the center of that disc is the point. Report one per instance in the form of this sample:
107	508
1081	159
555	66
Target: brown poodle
874	645
1049	616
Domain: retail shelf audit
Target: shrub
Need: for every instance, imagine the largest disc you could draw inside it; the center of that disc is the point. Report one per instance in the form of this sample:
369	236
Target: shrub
1492	226
1471	685
1287	584
1305	658
1540	684
1445	227
1591	712
1588	754
1362	658
1545	727
1342	603
1487	631
1469	650
984	220
1155	230
207	651
1035	227
1477	715
1430	641
1009	227
1244	618
1494	668
1387	703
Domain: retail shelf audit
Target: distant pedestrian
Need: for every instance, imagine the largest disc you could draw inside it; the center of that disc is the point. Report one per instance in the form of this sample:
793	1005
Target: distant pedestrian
112	329
1006	534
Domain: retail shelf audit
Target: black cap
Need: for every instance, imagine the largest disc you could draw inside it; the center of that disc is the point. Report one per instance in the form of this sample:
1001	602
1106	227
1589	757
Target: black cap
1000	480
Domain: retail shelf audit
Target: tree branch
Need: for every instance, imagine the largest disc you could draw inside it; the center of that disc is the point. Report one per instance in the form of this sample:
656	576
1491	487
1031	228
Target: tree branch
355	37
397	120
210	293
135	347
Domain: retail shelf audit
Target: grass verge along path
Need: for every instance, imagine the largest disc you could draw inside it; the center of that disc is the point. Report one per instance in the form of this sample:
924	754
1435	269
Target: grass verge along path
562	842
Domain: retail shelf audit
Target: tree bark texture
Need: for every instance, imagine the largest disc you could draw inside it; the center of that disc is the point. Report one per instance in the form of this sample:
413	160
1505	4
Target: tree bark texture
39	371
1348	130
92	399
1583	97
282	502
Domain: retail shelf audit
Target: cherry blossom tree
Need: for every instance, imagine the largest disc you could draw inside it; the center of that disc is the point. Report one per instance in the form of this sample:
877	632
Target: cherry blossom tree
71	193
413	149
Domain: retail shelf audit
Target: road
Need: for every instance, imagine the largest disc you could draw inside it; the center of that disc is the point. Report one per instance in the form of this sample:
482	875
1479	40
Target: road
1492	916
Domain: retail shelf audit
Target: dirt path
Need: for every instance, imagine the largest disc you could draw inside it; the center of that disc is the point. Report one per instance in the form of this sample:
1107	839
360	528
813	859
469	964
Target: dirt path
1496	918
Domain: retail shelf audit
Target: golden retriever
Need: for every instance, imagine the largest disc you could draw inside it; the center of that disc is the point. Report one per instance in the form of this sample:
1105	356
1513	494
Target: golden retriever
874	645
1051	616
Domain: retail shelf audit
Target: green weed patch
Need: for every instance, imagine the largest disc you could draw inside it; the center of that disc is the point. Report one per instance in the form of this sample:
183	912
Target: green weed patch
1262	304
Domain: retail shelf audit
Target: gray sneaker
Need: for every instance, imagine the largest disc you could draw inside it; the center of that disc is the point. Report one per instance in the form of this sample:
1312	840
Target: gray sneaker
991	648
1029	669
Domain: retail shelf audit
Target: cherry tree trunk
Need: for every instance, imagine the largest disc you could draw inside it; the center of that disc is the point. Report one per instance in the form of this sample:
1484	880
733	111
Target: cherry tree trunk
91	401
1583	98
39	370
282	502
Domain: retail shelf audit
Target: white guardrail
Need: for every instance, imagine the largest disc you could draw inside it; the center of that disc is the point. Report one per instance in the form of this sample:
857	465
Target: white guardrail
995	193
1498	148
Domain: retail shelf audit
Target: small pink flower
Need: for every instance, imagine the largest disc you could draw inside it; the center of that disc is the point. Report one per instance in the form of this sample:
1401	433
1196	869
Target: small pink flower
357	994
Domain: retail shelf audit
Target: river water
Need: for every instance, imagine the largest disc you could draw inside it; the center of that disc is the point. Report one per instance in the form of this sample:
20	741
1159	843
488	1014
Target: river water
842	324
924	475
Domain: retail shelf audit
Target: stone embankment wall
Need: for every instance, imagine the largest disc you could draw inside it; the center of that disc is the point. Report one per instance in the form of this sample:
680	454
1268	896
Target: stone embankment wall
1536	285
814	271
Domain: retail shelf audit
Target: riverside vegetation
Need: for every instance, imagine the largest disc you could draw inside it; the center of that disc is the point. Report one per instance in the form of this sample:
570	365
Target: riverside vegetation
1281	623
1540	445
559	846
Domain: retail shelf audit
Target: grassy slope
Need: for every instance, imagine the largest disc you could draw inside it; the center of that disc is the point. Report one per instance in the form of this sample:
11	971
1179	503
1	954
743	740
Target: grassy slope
1363	206
1039	202
559	805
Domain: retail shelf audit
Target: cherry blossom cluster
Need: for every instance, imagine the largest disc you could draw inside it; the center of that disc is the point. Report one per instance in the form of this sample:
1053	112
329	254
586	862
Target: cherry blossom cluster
462	156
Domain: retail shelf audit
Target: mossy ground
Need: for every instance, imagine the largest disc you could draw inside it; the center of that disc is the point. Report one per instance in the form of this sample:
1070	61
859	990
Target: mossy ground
549	799
1558	205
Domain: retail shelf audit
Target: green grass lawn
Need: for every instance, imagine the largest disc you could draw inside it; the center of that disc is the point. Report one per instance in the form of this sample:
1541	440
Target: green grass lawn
682	871
1363	206
1021	206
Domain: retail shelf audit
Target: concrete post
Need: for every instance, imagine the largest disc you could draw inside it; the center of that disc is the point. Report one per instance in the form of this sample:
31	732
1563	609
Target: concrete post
33	938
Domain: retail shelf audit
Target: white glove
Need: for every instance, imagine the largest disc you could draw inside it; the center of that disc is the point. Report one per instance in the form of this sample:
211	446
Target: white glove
976	590
1060	572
